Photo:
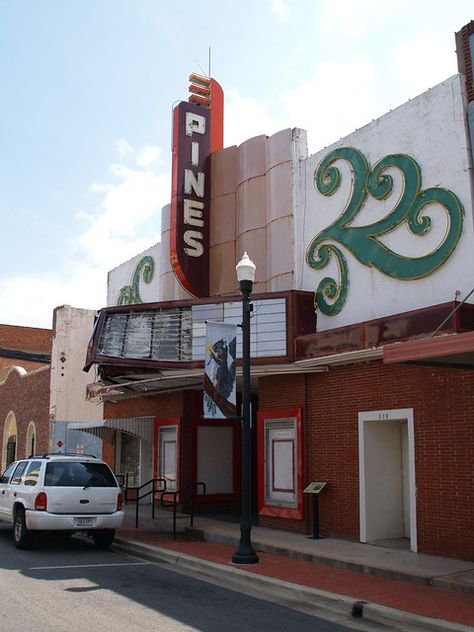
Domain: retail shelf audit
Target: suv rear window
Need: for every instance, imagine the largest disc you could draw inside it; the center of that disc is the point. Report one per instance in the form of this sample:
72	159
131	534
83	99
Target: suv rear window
77	474
32	475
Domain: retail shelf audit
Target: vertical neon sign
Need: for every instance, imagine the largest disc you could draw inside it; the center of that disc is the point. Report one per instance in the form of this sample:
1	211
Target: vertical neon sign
197	131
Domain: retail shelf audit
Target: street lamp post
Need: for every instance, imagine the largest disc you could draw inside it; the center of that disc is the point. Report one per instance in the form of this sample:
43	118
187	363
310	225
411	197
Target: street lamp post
245	554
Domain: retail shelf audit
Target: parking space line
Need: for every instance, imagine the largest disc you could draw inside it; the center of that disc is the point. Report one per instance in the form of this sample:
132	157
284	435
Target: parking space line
46	568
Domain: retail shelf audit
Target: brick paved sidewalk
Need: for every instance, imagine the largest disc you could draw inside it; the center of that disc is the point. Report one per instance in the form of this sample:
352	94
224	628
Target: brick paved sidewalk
429	601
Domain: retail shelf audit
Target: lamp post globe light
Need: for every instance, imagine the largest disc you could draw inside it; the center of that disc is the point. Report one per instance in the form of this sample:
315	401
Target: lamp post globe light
245	553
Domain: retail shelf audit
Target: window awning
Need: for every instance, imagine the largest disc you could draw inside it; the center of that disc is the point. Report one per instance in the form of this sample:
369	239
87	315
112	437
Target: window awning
453	350
105	428
126	388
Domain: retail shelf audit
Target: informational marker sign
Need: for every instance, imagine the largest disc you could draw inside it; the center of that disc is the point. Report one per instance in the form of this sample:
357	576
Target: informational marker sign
219	378
314	488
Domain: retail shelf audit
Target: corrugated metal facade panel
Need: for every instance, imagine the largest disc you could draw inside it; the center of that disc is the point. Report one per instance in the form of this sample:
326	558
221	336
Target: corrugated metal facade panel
179	334
137	426
267	326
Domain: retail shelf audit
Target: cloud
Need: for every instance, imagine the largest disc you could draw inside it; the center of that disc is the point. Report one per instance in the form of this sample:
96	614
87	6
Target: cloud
355	19
124	147
246	117
31	299
126	221
424	61
148	156
338	98
281	10
127	204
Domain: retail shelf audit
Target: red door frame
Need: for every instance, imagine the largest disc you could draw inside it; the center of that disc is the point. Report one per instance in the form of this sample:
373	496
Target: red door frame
275	510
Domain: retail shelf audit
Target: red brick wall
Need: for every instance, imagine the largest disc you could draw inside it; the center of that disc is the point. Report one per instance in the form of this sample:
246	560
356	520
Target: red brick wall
465	62
443	407
28	398
29	339
167	405
108	453
25	338
284	391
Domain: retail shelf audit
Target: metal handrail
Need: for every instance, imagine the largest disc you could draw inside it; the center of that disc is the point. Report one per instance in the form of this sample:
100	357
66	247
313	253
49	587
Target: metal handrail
139	496
178	499
123	481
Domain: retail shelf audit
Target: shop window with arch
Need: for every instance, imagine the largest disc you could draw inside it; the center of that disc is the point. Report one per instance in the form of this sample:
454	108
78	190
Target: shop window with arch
280	463
11	450
166	452
9	440
30	439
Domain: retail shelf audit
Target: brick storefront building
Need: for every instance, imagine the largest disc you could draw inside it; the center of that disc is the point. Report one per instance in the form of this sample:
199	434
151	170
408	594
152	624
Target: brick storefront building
25	355
443	407
362	327
24	409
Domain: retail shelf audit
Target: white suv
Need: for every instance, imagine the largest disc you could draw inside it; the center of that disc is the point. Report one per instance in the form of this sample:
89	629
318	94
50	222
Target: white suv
61	492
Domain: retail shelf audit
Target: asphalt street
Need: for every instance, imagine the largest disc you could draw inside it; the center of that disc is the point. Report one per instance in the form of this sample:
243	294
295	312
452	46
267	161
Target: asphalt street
67	584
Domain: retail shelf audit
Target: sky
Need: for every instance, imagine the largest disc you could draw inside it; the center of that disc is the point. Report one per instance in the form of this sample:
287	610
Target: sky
88	88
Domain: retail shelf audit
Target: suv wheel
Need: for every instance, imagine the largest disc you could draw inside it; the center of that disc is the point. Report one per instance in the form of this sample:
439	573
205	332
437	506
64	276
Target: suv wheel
23	538
103	539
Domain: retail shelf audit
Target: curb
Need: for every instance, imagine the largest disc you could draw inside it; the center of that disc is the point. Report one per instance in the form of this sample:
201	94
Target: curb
313	601
358	567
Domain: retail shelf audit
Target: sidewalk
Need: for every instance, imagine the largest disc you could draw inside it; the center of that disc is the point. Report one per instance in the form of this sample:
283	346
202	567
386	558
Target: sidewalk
382	585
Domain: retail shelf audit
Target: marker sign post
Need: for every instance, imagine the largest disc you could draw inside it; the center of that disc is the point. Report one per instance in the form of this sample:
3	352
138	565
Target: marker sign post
315	488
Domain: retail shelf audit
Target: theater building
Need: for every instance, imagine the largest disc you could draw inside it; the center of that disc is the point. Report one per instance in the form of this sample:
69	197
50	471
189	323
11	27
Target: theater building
362	331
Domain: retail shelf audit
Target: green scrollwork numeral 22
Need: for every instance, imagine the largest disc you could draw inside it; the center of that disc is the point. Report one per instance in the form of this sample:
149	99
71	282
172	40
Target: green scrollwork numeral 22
362	241
130	294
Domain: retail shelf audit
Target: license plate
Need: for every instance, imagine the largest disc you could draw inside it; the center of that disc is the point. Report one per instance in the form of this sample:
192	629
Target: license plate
84	522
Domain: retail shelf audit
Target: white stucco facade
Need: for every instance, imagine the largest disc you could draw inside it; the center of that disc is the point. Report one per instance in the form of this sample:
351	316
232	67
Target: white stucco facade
432	130
123	278
429	134
72	329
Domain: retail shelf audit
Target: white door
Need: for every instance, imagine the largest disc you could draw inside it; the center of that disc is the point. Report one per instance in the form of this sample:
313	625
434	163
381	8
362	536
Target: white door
387	473
168	456
384	480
